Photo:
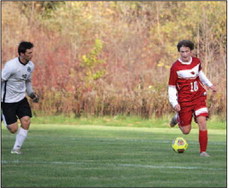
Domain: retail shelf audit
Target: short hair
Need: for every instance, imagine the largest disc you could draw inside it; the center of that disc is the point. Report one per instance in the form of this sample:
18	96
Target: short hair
23	46
185	43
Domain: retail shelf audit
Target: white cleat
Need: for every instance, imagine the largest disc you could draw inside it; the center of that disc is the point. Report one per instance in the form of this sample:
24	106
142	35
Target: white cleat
204	154
16	151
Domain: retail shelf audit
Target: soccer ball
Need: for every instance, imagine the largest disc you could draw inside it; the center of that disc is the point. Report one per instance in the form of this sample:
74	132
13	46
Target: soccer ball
179	145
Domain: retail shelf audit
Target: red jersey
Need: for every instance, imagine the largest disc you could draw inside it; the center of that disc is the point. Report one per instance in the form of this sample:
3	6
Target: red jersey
186	79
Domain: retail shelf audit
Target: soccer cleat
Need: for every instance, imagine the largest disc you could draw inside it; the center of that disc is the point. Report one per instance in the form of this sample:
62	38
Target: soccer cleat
16	151
173	121
204	154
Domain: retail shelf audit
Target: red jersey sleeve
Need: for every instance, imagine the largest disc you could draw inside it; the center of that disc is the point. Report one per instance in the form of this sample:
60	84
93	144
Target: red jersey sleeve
173	77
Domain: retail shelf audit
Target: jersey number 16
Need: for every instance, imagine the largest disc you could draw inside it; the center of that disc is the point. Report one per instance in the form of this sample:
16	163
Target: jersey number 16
194	86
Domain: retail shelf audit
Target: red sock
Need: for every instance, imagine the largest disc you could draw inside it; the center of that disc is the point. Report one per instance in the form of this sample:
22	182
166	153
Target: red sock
203	140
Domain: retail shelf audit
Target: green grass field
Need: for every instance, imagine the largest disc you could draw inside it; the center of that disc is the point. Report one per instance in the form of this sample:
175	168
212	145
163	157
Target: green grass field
64	155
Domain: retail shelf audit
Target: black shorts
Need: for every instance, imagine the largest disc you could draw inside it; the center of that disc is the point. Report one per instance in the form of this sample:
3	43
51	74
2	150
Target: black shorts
13	111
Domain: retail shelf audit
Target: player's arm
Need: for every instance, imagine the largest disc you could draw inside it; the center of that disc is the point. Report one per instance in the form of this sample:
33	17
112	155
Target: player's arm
206	81
172	91
29	89
30	92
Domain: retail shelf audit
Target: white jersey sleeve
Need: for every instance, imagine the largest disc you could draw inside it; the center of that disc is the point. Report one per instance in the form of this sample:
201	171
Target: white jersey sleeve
204	79
172	92
7	71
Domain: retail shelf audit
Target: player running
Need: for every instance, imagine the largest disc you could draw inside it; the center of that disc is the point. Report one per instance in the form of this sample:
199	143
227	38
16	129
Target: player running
187	94
16	82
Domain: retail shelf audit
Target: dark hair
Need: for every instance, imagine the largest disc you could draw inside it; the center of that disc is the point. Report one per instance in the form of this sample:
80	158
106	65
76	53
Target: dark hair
185	43
23	46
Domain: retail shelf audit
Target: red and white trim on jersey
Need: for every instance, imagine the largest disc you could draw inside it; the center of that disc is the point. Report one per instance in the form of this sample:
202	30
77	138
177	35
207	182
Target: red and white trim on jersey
189	73
201	111
189	62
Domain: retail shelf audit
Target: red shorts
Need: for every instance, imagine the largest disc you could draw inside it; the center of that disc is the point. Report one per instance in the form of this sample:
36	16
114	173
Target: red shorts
196	108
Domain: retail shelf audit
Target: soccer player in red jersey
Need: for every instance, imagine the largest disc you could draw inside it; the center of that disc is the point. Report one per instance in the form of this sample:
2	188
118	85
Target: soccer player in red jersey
187	93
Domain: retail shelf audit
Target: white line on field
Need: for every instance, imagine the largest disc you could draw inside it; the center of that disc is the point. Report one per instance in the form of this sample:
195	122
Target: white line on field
90	164
168	167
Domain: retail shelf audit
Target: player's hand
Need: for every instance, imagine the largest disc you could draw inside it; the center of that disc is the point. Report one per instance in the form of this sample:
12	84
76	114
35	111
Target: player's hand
177	108
34	97
213	88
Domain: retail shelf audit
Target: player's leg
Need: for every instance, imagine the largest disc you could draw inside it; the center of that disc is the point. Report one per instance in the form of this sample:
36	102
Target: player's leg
22	133
201	114
203	135
185	119
174	120
24	113
185	129
9	116
13	128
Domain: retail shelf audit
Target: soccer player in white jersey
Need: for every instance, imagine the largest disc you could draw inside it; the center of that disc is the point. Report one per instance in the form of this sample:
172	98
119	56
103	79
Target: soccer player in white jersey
16	82
187	93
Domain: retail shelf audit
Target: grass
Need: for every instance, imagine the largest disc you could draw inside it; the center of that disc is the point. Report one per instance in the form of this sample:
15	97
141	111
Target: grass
215	122
78	155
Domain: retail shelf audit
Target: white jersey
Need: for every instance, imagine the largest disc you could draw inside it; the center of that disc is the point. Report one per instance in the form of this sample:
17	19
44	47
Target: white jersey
16	80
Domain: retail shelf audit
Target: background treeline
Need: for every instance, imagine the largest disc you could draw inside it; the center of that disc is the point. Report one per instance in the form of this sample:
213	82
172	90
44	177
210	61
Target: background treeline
108	58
